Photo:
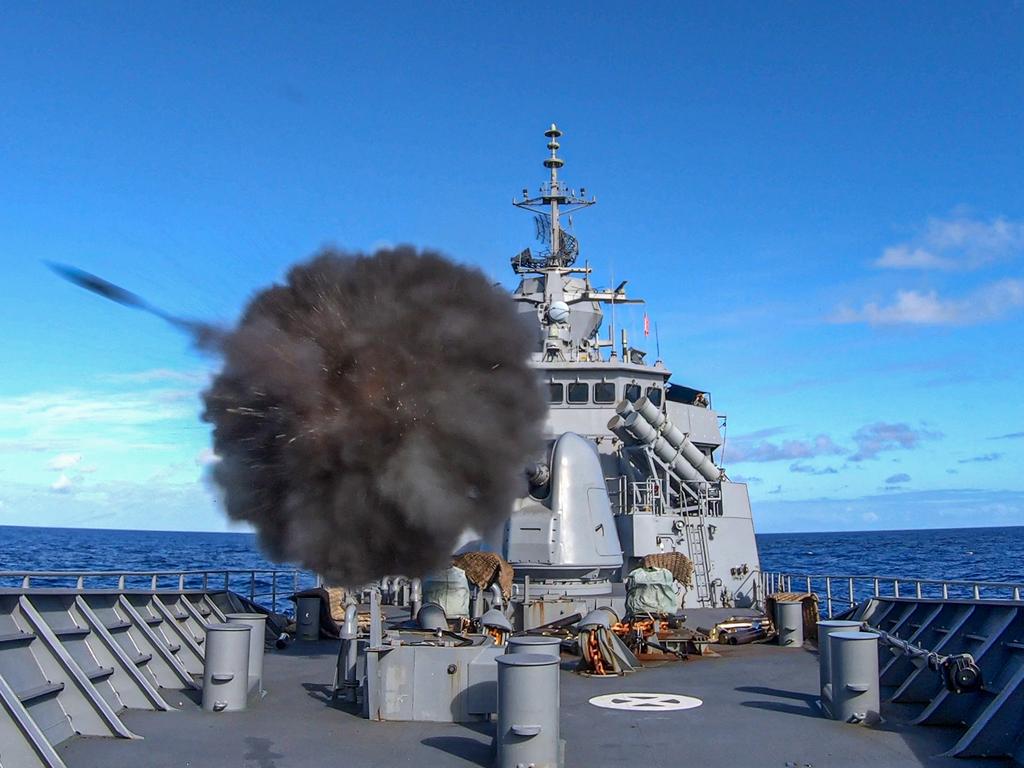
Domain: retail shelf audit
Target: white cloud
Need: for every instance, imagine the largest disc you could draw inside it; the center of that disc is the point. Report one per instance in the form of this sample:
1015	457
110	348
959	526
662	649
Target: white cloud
906	257
957	243
746	449
63	461
61	485
912	307
872	439
158	375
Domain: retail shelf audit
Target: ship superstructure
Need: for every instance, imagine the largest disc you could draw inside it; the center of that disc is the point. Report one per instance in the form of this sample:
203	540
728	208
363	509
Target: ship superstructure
630	470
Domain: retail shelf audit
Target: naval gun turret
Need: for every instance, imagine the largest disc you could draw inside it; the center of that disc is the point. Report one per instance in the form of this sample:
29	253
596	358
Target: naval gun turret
630	467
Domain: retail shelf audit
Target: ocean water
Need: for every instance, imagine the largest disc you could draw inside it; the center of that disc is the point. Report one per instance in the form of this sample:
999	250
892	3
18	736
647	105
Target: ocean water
81	549
983	554
970	554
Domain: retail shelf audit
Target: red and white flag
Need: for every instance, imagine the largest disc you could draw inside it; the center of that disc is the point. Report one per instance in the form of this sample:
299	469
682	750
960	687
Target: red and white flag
647	325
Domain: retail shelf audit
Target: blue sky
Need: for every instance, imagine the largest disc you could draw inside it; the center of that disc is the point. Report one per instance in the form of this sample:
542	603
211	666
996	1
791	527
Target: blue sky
821	203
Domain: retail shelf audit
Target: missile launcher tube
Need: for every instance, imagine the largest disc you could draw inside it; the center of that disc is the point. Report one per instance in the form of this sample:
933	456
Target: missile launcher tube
645	422
642	431
700	460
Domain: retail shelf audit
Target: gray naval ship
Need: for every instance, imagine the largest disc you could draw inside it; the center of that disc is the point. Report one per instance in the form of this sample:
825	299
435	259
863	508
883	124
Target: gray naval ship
652	485
621	617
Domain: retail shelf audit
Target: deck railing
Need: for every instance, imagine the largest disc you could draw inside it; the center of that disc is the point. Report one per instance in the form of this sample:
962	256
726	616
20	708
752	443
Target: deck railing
268	587
838	593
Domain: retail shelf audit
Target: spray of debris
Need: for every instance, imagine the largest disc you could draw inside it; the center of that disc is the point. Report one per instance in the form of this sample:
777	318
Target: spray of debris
370	410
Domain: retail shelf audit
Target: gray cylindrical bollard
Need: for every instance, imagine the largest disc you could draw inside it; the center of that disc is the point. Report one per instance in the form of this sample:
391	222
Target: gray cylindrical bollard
534	644
527	732
257	622
826	628
226	667
307	617
853	661
789	623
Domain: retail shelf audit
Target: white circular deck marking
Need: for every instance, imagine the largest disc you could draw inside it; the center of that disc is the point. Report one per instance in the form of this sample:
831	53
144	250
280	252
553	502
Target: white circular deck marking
651	702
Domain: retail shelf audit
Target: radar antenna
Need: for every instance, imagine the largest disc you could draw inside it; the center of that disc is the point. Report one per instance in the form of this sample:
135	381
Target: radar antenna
553	199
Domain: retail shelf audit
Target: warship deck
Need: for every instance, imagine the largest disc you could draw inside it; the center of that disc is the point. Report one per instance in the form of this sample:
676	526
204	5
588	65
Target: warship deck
759	709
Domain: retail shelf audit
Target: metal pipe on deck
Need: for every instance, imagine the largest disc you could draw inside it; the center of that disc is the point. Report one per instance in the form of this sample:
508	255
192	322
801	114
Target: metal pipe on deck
257	623
789	623
226	667
307	618
497	599
853	661
826	628
415	598
528	705
350	651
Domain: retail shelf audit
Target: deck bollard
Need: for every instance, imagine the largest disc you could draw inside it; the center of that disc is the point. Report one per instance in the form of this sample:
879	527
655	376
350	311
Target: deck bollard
307	617
789	623
853	661
226	667
535	644
826	628
257	622
527	732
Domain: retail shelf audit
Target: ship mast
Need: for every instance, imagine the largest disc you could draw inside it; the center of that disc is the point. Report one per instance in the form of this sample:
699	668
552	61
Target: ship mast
553	199
554	163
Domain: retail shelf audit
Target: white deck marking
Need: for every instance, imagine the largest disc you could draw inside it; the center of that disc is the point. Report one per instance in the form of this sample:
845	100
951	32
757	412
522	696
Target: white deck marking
651	702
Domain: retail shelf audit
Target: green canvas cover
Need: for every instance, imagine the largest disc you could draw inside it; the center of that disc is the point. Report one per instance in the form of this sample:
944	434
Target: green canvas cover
651	590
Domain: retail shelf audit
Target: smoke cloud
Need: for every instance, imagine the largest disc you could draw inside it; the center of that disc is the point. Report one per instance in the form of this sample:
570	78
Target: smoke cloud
373	408
369	410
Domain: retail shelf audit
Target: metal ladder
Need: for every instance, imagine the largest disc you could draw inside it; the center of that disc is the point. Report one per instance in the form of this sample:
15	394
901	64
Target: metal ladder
697	545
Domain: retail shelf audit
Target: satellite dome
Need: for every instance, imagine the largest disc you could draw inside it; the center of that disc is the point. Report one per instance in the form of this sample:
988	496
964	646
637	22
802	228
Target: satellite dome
558	312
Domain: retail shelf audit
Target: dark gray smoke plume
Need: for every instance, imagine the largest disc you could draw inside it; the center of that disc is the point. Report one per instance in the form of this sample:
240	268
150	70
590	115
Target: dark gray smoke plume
373	408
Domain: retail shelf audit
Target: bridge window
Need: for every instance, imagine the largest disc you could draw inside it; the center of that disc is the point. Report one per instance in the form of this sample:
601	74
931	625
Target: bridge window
579	392
555	393
604	392
654	395
633	392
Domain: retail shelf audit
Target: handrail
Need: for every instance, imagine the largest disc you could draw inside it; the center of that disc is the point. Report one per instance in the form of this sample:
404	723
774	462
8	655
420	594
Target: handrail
272	575
774	581
951	582
165	572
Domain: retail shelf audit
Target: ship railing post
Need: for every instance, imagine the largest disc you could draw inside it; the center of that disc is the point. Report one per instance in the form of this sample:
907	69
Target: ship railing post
895	587
876	586
153	582
181	582
273	591
977	591
227	583
918	586
1016	593
252	586
945	591
853	601
828	595
206	580
808	585
80	582
120	583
